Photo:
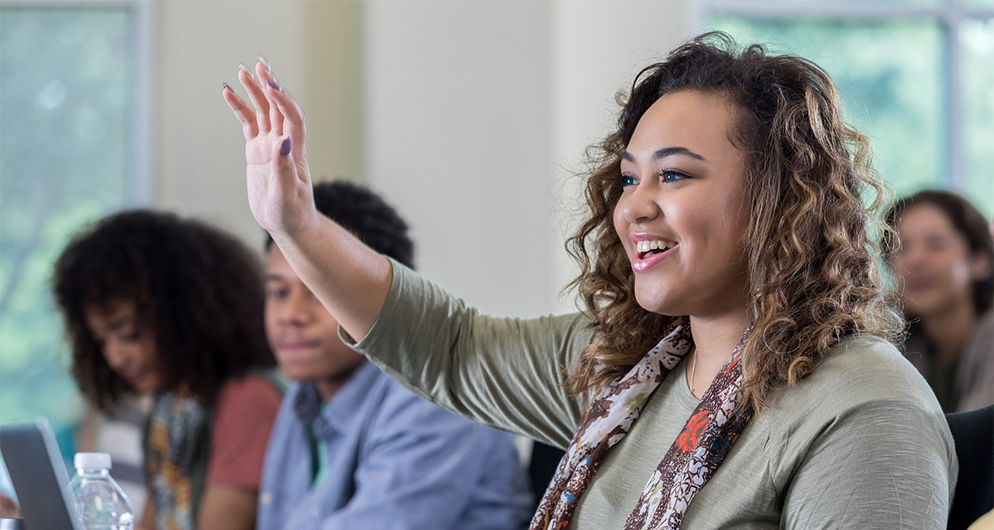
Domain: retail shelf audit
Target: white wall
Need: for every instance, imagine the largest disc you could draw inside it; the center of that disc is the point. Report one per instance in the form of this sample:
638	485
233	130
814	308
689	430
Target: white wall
458	125
476	113
468	115
599	48
199	163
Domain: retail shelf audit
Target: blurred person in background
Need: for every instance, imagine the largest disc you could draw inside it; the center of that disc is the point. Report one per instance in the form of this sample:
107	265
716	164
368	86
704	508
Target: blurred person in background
944	268
352	448
155	304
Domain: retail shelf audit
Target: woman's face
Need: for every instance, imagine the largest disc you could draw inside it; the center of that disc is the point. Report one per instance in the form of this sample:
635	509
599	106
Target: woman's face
128	349
683	212
934	266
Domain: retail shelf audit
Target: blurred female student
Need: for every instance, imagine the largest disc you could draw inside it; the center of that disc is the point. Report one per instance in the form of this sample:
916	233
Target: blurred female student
155	304
945	265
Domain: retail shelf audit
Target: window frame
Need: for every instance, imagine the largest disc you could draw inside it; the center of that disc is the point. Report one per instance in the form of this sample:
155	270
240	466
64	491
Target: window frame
949	15
139	194
140	155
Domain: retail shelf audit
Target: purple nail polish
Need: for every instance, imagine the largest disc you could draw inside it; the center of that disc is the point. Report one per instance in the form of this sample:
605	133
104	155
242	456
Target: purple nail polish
228	88
273	84
285	148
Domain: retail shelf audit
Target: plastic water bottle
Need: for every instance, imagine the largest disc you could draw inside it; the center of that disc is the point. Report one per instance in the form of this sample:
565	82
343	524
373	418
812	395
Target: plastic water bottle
100	503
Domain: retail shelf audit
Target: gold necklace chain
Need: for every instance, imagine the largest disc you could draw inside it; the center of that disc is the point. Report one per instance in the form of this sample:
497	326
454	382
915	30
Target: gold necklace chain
693	370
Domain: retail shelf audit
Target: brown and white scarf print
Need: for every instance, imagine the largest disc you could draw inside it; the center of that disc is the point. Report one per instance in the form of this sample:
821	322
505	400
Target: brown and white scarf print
692	459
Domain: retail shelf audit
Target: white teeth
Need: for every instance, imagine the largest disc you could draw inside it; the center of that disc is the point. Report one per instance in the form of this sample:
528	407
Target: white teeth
646	246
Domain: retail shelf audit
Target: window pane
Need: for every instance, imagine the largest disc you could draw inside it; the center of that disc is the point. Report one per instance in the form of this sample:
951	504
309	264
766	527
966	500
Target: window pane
977	45
888	74
821	5
66	98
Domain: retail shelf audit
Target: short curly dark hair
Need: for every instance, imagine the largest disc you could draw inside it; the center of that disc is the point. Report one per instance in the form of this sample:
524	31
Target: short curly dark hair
364	213
198	290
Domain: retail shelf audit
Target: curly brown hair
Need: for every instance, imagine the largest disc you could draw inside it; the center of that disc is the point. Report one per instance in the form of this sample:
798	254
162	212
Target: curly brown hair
813	247
197	290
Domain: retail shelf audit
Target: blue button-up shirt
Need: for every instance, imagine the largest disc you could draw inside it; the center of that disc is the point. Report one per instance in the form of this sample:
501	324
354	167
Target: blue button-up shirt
395	462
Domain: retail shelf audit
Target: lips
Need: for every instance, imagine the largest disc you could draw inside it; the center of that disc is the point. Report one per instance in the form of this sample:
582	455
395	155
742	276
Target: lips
650	250
134	376
297	344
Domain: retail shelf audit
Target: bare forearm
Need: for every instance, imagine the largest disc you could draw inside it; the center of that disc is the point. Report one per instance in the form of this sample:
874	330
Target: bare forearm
350	279
227	508
148	514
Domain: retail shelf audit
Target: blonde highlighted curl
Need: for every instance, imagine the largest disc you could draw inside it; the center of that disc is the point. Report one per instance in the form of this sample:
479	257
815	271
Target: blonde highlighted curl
814	249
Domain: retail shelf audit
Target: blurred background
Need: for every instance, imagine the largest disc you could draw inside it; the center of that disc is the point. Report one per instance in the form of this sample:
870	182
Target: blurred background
470	116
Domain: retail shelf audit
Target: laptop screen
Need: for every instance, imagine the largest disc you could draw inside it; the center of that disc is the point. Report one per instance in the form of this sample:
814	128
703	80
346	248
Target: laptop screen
39	476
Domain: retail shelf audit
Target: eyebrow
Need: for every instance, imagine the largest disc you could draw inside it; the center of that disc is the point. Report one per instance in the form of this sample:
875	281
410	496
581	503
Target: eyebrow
665	152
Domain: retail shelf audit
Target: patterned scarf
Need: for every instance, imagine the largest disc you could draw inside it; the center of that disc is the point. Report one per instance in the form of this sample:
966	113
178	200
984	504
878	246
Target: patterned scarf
692	459
171	459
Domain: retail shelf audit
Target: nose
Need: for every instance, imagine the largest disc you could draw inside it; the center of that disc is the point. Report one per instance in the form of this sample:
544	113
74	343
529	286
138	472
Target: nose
116	354
296	309
639	204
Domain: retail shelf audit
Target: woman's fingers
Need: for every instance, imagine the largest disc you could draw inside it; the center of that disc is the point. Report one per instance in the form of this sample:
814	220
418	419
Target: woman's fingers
258	100
269	84
293	117
242	111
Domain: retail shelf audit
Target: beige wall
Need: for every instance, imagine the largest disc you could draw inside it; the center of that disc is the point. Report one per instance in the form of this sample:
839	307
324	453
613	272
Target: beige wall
599	46
468	115
476	114
198	163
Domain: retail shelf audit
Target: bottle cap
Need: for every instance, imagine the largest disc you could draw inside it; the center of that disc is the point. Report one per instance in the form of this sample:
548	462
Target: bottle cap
91	461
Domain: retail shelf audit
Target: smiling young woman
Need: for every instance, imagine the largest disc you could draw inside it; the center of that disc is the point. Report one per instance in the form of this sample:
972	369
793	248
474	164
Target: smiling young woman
726	240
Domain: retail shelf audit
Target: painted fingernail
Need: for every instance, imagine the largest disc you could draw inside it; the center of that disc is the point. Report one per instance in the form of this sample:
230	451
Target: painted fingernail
266	64
285	148
249	72
226	87
274	85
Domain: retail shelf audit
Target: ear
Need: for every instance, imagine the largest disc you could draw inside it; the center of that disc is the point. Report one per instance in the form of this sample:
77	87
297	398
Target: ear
980	266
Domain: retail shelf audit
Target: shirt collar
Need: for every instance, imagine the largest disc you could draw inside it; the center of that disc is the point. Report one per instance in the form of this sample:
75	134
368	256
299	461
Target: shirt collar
343	409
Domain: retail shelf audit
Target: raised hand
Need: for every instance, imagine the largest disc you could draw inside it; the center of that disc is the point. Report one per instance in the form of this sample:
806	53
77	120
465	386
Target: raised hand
279	182
349	278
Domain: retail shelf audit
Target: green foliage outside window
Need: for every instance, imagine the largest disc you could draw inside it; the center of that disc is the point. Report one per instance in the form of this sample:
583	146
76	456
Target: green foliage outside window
66	107
890	75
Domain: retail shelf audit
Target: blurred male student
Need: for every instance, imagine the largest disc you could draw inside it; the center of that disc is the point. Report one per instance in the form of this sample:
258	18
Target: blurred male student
353	449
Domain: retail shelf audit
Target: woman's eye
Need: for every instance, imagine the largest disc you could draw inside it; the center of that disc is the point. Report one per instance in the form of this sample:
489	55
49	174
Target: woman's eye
671	176
276	294
626	180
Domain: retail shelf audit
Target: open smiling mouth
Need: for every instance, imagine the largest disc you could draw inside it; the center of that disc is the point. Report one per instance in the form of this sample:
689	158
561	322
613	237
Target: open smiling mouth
648	248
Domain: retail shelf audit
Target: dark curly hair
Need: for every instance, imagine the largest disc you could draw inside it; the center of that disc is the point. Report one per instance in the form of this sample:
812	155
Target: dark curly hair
364	213
813	247
968	221
197	290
